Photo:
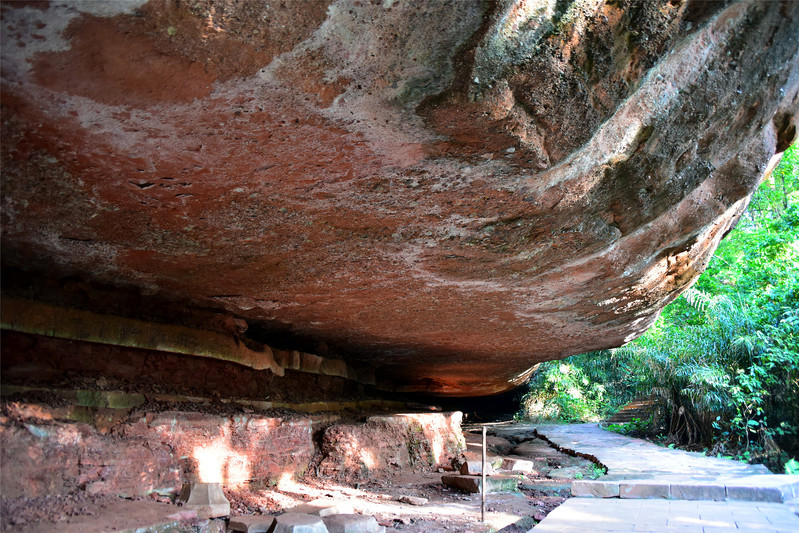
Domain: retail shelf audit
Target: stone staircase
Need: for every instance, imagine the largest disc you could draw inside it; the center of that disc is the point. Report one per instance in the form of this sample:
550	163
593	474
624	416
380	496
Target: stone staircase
640	408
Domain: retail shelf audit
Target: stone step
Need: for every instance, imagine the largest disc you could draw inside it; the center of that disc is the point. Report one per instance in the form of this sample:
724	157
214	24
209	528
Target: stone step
627	416
774	488
640	408
494	483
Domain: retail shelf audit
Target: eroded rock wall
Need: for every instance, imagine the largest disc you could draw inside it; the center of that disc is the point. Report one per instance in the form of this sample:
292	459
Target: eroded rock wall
47	450
444	193
391	443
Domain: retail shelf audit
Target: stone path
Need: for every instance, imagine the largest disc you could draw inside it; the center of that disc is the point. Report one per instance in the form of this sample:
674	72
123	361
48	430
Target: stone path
640	469
651	488
630	456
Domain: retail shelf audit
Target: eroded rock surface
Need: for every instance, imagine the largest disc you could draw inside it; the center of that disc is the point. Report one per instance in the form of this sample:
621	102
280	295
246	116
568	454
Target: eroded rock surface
53	450
445	192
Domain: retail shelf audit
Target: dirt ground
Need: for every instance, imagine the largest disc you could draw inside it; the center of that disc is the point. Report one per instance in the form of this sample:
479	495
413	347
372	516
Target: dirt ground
445	509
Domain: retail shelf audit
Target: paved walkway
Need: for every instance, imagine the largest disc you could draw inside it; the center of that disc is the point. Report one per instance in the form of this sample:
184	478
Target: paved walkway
629	456
640	469
656	489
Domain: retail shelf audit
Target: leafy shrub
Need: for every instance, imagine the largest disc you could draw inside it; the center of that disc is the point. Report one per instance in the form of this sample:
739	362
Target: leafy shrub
635	427
562	390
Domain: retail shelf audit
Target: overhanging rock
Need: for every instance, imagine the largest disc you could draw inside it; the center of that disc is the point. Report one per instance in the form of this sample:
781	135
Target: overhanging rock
443	193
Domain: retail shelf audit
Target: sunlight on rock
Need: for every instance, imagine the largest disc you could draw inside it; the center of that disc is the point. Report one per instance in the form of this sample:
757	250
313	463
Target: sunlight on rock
218	463
367	458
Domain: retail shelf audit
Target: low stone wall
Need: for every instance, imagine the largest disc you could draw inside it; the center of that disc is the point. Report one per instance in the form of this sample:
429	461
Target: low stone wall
136	452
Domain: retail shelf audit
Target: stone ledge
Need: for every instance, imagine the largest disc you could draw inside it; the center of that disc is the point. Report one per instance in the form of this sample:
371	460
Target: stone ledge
38	318
774	488
595	489
698	491
120	400
644	490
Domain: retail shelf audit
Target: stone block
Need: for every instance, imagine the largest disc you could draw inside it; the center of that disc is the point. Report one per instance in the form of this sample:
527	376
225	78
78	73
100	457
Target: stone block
775	488
352	523
595	489
324	507
251	524
475	468
754	494
206	498
698	491
520	465
299	523
644	490
552	486
412	500
472	484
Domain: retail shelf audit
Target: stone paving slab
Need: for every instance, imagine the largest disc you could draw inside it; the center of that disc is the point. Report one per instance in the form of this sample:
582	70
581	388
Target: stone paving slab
615	515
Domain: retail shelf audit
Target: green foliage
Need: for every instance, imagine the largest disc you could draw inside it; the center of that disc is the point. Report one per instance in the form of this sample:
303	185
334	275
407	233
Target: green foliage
597	471
634	427
777	192
723	359
563	390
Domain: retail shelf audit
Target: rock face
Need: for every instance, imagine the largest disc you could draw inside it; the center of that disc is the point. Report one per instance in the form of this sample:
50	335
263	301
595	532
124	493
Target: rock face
405	441
444	192
46	450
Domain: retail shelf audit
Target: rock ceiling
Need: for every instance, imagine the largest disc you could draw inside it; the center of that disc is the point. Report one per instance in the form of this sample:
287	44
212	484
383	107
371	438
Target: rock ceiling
447	192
